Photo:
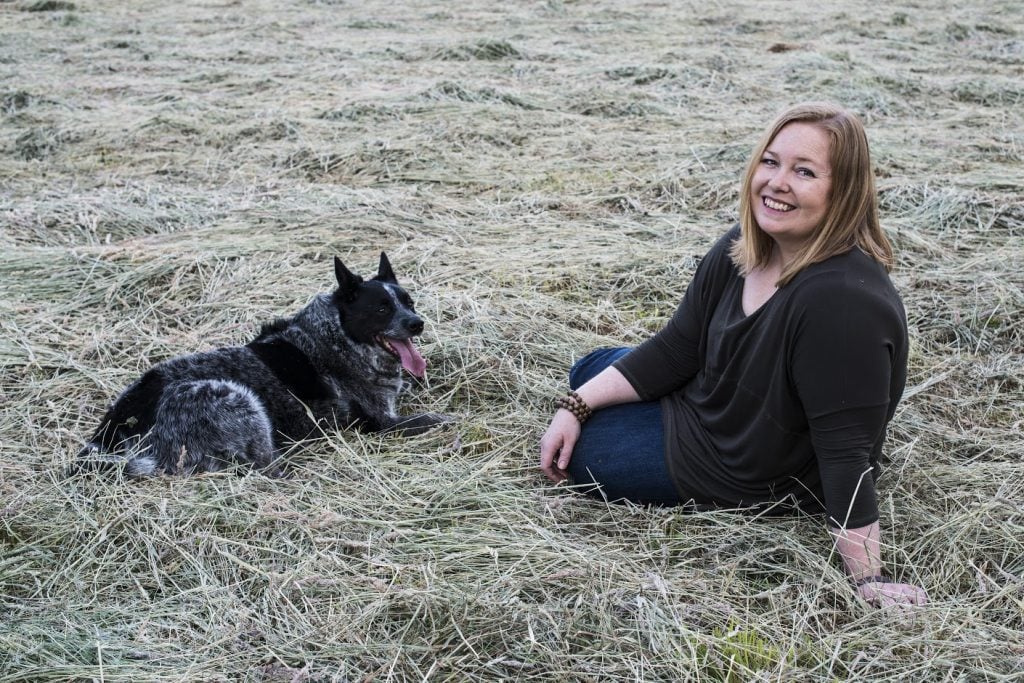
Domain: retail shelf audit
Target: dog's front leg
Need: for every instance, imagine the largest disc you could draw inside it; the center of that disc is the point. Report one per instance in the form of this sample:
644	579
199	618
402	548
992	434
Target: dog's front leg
411	425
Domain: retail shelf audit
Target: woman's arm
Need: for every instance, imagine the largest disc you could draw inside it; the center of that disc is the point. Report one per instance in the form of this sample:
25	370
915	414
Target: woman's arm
849	367
607	388
860	550
658	366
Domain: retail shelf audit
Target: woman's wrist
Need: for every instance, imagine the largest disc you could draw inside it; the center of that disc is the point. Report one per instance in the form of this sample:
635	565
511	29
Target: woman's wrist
875	578
575	405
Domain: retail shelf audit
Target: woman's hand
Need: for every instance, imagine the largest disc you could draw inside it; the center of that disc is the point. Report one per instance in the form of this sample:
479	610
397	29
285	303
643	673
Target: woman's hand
882	594
861	552
557	443
606	388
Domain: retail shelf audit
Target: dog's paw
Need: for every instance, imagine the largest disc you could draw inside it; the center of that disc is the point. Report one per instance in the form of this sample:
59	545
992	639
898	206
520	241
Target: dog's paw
277	473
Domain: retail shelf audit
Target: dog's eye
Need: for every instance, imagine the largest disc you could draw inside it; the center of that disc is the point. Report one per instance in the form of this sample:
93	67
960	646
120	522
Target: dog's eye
382	309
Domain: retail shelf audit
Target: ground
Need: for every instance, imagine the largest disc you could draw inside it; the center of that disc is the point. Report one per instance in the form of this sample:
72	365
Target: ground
544	177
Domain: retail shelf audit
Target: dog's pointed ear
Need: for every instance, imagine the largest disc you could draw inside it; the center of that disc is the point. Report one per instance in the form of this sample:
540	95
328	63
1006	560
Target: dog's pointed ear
347	280
384	271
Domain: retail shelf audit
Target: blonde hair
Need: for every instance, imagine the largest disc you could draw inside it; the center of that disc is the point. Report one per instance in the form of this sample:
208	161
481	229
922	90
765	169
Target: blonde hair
852	216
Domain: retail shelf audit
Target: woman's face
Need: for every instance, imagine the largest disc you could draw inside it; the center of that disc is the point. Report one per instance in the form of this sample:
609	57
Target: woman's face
790	187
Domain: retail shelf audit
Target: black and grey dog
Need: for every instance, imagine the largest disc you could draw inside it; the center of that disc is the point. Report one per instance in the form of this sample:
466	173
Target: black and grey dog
337	363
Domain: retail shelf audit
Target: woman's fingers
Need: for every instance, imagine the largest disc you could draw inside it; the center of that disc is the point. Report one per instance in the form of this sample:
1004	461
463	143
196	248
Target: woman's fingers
893	594
557	444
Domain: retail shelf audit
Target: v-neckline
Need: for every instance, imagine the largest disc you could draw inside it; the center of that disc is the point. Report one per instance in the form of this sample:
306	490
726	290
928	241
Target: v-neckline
757	298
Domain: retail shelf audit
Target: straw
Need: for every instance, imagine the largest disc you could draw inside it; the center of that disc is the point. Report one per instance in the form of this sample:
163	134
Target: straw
544	178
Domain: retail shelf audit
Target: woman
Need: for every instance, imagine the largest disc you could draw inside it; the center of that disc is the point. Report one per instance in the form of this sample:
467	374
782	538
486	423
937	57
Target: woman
775	379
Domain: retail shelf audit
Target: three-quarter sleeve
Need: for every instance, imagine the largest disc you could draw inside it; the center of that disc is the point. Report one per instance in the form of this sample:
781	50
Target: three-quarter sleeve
666	361
842	365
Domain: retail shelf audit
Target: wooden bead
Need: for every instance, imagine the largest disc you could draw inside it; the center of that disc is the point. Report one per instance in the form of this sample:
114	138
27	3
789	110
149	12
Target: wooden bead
575	405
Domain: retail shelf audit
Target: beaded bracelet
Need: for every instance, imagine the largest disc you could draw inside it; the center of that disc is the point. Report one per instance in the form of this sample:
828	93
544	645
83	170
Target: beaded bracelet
873	579
575	405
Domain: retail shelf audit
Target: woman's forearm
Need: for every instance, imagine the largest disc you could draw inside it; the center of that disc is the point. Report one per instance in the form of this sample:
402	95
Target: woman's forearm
860	550
609	387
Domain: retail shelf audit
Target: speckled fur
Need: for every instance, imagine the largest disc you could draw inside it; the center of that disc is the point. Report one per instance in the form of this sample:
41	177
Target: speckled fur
244	405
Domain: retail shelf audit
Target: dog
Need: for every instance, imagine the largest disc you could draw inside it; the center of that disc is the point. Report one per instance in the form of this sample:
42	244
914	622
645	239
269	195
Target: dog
336	363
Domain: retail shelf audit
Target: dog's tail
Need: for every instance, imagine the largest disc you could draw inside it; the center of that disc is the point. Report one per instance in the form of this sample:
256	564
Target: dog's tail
93	459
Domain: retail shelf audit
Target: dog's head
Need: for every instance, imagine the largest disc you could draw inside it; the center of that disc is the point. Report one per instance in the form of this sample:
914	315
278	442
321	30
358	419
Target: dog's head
379	312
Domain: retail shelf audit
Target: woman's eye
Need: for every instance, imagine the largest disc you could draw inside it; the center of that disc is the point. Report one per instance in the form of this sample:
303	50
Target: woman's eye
805	172
768	162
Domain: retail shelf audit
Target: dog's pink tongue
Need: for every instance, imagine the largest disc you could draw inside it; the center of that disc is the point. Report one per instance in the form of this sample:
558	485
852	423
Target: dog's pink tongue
411	358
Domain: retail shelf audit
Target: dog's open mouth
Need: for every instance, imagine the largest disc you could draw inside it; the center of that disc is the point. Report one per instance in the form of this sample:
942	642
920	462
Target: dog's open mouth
407	353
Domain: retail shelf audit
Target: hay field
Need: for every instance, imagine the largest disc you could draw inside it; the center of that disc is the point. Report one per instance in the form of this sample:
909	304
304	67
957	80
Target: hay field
544	177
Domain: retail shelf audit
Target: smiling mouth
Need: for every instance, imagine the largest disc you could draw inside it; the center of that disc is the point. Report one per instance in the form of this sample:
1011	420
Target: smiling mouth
406	352
776	205
385	343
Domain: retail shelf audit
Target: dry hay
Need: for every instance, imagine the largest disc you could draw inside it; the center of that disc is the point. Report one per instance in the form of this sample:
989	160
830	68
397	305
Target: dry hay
544	176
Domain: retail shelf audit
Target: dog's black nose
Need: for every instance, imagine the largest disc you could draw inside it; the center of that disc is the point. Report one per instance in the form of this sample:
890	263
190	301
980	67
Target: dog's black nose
414	325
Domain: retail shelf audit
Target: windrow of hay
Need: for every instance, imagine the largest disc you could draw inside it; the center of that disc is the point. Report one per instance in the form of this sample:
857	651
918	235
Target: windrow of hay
545	178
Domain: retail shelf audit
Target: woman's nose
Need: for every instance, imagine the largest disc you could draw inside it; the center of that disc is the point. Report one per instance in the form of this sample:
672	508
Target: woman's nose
779	180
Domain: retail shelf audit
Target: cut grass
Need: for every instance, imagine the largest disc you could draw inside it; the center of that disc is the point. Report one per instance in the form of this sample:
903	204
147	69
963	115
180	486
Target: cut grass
545	178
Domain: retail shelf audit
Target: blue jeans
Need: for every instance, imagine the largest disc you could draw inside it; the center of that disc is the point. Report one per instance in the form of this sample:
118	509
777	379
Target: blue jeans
620	454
